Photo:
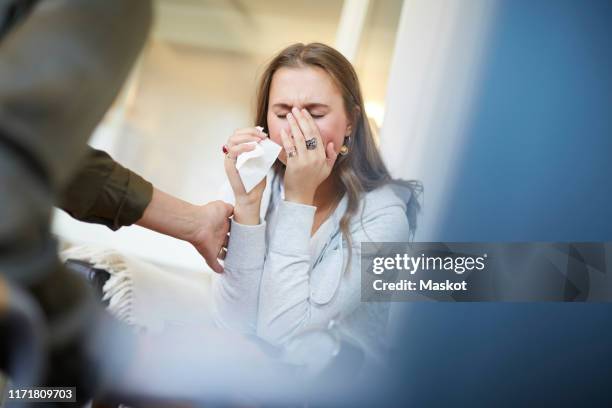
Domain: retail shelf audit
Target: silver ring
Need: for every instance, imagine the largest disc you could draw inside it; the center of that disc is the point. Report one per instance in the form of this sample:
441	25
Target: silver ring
222	253
292	152
311	144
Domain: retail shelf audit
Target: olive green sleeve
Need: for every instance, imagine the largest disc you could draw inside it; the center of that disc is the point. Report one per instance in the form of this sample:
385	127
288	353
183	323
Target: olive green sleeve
105	192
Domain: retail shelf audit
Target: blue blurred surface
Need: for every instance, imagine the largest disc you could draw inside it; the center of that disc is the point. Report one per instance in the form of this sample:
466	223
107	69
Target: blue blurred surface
536	166
537	163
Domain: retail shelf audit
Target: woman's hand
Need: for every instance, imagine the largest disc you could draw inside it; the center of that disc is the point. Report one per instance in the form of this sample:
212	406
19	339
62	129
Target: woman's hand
307	168
246	209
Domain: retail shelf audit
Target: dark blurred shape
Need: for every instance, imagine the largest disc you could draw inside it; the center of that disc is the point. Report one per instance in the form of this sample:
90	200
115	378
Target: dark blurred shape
97	277
62	64
11	12
22	340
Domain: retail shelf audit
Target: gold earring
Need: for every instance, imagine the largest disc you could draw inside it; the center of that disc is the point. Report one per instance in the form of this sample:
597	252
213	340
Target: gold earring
345	149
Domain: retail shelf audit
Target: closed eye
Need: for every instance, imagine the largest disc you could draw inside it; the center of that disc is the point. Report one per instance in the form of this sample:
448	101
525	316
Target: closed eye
285	115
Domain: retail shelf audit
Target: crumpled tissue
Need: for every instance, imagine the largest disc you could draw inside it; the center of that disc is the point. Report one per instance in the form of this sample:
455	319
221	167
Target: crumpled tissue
254	165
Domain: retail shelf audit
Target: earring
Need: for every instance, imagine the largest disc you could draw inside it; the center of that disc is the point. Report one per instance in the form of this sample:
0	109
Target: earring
345	149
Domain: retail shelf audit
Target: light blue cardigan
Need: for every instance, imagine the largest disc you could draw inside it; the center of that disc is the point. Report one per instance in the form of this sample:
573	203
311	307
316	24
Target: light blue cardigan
279	282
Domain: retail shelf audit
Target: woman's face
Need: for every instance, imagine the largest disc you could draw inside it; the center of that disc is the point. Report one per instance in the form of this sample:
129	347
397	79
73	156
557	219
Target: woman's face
310	88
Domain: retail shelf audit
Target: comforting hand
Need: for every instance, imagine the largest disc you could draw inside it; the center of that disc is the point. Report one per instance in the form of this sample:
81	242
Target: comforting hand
209	236
247	205
307	167
205	226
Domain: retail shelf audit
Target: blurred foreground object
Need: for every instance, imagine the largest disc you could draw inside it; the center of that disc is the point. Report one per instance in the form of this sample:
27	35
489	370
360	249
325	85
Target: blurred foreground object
62	64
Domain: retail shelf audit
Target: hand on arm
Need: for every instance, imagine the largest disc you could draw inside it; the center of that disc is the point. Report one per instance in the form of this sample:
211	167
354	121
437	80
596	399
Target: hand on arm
204	226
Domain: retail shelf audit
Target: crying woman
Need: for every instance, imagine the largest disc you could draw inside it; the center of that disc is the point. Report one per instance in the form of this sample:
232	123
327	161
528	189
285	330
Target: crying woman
293	257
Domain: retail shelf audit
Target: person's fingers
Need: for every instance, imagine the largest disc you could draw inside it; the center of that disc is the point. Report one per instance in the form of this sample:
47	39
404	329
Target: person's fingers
260	134
228	210
330	154
237	150
314	130
235	140
298	137
304	125
216	266
212	262
287	143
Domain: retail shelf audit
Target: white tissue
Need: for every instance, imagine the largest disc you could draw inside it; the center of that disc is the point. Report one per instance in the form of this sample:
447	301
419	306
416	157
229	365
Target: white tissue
255	164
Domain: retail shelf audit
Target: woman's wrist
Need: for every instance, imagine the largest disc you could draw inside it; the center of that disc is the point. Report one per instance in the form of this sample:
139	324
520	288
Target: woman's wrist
247	214
299	198
248	201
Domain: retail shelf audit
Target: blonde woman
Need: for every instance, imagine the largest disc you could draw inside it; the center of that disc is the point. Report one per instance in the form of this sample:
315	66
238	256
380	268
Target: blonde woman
295	264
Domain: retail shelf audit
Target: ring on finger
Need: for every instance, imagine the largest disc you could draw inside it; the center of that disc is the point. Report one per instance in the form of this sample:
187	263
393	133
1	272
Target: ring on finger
229	156
292	152
311	144
222	253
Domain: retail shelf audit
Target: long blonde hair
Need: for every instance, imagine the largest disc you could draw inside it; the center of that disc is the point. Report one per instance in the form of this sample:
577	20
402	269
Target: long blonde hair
362	169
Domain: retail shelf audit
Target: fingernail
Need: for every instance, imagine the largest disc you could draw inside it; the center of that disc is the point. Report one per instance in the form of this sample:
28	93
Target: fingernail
289	115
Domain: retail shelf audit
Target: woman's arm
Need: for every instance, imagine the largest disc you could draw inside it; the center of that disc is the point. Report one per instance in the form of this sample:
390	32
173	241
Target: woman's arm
285	304
235	292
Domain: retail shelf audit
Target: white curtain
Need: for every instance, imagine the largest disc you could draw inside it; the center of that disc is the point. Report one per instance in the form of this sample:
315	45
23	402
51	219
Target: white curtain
434	76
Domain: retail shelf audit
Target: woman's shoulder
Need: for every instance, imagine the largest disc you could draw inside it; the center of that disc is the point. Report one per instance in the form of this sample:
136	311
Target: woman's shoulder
386	198
381	217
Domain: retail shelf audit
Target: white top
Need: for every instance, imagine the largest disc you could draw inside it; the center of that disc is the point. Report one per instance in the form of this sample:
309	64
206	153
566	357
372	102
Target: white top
280	281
